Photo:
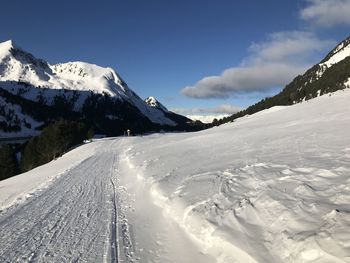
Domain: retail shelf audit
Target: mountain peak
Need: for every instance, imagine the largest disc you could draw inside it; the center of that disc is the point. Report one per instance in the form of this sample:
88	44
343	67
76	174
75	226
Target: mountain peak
7	44
6	47
153	102
341	51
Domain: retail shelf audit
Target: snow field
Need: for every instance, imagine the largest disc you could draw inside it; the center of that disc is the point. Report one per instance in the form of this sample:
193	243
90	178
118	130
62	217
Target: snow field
271	187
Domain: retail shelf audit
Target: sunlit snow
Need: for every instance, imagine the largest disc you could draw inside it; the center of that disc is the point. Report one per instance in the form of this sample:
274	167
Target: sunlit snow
271	187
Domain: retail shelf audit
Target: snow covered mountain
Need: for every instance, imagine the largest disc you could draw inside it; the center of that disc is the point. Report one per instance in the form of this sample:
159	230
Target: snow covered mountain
72	84
18	65
331	74
153	102
340	52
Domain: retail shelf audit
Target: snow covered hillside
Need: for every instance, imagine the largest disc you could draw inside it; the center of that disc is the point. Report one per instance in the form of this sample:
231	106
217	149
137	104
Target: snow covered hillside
331	74
336	62
270	187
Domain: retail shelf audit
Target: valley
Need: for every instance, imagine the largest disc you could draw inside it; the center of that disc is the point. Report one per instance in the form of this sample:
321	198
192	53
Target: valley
265	194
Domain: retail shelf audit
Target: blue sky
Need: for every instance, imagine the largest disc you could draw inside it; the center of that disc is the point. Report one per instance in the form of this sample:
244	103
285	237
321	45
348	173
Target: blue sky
168	49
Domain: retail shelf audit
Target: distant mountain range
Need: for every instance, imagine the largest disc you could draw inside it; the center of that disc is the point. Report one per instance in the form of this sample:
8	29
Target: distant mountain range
331	74
34	93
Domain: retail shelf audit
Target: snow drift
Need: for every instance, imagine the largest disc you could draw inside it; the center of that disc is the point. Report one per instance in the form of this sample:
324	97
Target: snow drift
271	187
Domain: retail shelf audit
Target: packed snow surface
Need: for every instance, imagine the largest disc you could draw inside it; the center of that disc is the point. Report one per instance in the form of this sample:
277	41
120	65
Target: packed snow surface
270	187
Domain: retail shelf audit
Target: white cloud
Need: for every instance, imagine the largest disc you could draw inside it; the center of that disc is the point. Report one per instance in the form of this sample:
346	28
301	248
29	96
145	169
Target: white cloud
290	46
270	64
226	109
327	13
207	115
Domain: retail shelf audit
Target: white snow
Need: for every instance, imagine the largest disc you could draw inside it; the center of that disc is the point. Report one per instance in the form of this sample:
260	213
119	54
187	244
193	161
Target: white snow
347	83
84	76
270	187
78	76
16	189
341	52
5	49
152	101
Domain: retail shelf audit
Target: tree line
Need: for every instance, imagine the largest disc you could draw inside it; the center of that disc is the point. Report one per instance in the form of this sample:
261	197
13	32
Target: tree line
55	139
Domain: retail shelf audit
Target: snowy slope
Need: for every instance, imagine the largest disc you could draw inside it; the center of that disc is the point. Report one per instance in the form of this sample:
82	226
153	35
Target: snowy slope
270	187
17	65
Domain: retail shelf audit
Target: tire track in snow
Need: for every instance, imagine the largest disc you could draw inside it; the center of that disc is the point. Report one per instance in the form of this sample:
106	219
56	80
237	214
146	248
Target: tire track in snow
114	226
121	233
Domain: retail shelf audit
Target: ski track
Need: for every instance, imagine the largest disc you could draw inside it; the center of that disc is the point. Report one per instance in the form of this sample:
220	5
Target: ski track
73	220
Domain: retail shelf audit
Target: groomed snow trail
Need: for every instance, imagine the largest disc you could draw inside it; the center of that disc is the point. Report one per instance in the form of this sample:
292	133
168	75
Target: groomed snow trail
81	217
70	221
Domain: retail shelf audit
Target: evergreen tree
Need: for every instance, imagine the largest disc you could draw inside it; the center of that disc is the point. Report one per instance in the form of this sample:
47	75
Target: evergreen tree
54	140
8	162
90	134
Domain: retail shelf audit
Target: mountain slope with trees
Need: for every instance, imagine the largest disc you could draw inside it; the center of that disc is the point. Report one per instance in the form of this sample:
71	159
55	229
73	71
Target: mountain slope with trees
330	75
54	107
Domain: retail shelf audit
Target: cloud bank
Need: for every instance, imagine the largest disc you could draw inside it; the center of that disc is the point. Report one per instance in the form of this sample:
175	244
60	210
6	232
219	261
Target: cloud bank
269	64
226	109
327	13
207	115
